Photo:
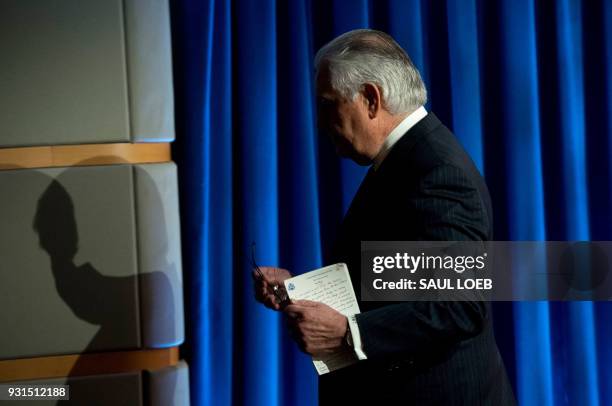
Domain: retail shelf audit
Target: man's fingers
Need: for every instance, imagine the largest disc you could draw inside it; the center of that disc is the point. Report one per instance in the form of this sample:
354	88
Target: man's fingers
263	295
260	289
306	310
274	275
271	304
300	308
293	310
307	303
264	281
267	273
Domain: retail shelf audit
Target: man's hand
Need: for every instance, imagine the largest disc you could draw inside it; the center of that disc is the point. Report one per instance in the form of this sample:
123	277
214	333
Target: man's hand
264	285
317	328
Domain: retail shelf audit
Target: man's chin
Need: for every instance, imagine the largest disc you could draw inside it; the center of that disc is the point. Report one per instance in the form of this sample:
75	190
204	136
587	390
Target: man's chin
353	156
361	160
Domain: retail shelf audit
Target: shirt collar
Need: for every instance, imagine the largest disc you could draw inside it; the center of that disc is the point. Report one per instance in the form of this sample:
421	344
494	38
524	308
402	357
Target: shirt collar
397	133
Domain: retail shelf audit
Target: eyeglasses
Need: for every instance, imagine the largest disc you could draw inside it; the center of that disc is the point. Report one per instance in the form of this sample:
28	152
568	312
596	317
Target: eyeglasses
278	291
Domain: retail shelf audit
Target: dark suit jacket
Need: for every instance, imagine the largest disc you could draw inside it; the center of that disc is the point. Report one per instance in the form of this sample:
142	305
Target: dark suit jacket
421	353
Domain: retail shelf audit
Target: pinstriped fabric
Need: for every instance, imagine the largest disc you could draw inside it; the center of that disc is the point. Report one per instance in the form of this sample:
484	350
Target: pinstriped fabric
451	206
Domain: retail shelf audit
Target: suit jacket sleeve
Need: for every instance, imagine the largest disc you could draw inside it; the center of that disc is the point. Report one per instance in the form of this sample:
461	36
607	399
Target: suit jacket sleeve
450	208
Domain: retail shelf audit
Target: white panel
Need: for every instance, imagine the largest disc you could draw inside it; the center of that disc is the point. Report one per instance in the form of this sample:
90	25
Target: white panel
149	59
168	386
63	72
159	253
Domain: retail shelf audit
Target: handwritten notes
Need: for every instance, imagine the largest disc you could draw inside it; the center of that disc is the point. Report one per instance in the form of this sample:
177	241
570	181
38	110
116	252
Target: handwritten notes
330	285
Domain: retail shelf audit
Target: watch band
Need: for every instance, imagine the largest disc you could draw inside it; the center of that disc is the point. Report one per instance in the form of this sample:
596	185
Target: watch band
348	336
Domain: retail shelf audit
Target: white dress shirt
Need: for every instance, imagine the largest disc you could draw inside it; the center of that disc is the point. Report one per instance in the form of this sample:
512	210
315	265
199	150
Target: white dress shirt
397	133
393	137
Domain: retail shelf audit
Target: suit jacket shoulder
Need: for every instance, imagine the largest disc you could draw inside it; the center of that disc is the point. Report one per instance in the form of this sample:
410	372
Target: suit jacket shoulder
427	188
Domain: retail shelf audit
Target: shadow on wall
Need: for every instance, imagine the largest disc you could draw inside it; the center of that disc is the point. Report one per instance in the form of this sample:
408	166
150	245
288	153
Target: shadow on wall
99	299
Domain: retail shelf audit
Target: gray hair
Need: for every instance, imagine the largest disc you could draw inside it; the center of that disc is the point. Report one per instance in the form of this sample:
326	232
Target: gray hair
369	56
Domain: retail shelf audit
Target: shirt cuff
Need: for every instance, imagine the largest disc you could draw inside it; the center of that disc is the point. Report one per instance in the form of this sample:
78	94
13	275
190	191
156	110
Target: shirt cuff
356	337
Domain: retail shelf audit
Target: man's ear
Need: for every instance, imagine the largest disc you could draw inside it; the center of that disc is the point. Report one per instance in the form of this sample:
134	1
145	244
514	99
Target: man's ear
373	98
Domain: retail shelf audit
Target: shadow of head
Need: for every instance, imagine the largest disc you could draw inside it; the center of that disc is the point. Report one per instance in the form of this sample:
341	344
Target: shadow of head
55	223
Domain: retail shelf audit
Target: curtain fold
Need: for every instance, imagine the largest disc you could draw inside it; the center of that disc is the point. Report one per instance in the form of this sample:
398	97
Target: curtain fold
526	85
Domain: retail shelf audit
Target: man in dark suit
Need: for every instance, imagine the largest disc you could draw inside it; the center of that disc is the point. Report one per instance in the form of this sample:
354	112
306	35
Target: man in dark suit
422	186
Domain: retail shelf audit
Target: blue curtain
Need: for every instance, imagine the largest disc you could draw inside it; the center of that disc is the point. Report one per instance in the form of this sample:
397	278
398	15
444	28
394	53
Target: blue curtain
525	85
